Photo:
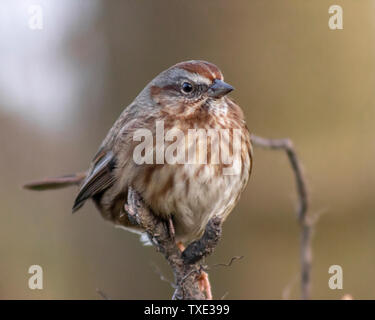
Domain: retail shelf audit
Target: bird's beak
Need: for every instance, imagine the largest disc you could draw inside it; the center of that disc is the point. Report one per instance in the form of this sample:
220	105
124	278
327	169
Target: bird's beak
219	88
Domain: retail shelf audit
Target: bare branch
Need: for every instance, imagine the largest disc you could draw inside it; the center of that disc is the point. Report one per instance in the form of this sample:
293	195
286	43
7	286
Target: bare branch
186	267
204	246
303	205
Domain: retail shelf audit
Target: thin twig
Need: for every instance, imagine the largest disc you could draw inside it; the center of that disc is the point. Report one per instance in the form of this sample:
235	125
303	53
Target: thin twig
235	258
162	277
102	294
288	288
303	205
224	295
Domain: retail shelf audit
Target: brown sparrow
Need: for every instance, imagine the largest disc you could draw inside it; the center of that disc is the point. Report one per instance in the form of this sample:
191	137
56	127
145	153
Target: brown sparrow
149	148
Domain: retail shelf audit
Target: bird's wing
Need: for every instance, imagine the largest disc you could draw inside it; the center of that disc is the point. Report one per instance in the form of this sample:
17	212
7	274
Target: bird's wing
99	178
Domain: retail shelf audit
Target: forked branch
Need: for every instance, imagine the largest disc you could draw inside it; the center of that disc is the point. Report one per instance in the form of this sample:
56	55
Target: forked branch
186	266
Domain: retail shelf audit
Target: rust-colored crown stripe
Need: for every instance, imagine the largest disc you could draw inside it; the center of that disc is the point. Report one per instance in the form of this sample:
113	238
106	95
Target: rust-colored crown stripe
205	69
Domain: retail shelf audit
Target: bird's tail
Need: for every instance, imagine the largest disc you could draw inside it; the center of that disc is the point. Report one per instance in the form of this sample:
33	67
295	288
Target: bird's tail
57	182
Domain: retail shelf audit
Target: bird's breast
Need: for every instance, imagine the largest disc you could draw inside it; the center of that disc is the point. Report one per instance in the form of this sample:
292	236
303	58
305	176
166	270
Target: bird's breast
194	190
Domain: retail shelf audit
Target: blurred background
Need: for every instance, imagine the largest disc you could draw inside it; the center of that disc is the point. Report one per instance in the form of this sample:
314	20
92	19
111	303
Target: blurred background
62	87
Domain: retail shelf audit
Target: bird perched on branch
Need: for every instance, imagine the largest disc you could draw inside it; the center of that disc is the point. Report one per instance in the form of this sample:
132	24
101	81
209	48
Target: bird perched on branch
182	144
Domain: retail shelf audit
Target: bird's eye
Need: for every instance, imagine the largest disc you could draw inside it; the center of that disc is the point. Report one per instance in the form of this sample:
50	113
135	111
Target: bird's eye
187	87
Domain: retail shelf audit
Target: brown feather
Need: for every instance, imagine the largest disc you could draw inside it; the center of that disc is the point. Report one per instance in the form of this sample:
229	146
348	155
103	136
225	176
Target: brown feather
98	179
56	182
